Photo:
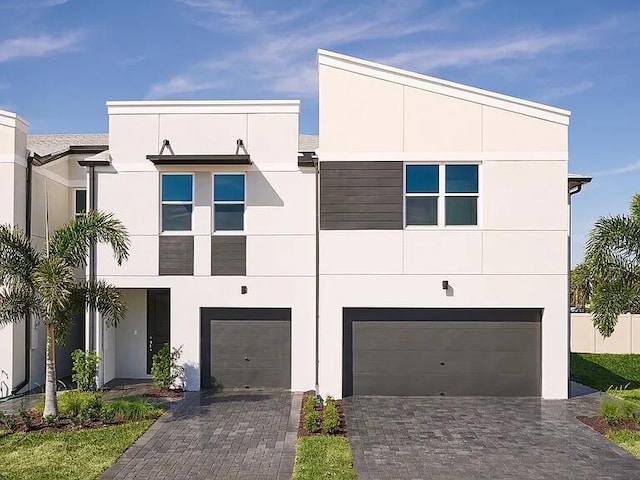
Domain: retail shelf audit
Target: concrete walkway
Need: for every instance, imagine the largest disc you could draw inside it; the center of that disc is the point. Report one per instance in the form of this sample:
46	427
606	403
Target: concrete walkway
481	438
226	435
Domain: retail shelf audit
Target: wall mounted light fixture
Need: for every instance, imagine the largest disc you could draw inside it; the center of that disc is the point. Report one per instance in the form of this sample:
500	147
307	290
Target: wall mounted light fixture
445	284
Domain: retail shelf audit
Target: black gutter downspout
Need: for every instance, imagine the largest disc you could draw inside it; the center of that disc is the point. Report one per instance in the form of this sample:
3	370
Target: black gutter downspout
316	164
92	258
27	319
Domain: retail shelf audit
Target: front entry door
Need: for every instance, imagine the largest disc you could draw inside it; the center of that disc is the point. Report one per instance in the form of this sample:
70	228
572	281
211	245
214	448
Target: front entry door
158	316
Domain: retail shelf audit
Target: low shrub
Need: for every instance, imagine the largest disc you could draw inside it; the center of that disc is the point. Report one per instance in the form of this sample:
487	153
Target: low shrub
75	403
133	409
331	419
312	421
85	369
8	421
25	416
165	368
50	420
615	411
107	413
309	403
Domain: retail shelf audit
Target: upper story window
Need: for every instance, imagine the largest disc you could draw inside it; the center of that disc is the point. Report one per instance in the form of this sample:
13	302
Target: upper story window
228	202
441	194
80	202
177	201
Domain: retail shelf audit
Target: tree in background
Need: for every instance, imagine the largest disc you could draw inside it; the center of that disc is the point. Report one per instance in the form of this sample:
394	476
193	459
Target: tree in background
43	285
581	287
612	256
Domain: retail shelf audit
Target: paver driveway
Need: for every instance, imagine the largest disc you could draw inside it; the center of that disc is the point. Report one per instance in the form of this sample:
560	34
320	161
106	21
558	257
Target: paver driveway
226	435
480	438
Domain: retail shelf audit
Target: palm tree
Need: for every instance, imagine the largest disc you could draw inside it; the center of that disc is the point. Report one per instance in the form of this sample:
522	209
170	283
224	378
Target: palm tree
613	257
44	285
581	286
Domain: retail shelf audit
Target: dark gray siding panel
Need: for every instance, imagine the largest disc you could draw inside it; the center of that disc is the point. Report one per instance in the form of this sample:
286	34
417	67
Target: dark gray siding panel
442	352
246	347
228	255
361	196
176	255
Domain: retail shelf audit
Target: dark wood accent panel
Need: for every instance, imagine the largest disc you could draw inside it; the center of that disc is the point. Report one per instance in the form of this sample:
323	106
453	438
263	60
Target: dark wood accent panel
246	347
176	255
228	255
361	195
412	351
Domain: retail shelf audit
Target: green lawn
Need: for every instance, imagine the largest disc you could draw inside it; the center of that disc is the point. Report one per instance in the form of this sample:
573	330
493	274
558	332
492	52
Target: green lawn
602	371
627	439
82	454
621	374
323	457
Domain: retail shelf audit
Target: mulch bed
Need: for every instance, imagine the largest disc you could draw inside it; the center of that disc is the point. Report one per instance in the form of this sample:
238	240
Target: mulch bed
342	429
600	425
62	425
161	393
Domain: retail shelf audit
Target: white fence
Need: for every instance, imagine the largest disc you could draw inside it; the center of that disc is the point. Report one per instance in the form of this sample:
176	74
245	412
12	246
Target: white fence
585	338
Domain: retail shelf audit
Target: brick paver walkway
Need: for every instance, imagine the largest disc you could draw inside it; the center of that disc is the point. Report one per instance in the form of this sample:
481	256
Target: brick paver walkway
227	435
481	438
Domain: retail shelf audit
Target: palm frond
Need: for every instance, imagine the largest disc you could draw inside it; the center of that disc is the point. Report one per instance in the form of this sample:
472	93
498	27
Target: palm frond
634	208
74	239
18	257
16	303
106	299
55	281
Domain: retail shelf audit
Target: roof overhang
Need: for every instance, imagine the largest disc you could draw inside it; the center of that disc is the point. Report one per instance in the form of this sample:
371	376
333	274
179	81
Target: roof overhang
72	150
307	159
576	182
102	159
208	159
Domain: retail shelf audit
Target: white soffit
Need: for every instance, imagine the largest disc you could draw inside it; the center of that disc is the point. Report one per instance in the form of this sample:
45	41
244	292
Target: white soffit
443	87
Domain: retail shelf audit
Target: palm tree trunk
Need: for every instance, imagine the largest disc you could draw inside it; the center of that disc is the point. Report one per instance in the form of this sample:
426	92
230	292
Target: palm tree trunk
50	400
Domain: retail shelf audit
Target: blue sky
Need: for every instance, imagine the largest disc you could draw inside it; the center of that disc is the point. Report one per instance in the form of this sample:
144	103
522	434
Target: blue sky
60	60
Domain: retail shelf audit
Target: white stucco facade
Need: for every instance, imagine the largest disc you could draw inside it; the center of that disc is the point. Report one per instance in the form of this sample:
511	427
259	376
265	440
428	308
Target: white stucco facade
515	256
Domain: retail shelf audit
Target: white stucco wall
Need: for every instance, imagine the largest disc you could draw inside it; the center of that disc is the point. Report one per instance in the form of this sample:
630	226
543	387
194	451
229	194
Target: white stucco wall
279	223
517	254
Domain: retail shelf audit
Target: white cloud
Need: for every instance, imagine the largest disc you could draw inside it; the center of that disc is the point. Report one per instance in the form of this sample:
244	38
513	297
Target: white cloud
179	85
39	46
631	167
26	4
277	50
567	91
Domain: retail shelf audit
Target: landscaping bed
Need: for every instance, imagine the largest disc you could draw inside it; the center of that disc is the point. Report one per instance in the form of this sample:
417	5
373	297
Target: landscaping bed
323	449
340	429
81	411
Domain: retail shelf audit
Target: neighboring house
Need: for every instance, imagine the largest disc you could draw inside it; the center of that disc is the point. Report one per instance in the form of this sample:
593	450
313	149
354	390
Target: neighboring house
438	265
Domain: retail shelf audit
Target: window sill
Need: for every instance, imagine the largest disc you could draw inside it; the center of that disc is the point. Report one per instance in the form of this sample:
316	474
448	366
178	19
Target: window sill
170	233
430	228
229	232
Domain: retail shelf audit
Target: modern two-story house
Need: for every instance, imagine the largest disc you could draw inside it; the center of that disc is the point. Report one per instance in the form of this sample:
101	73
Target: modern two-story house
418	246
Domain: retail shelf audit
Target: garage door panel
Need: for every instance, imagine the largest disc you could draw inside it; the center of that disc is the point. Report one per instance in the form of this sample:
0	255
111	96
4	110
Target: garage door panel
246	347
485	336
445	385
442	352
431	362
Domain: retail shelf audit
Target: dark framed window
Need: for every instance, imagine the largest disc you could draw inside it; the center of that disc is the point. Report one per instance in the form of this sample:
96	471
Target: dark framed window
422	187
80	202
445	195
228	201
461	195
177	201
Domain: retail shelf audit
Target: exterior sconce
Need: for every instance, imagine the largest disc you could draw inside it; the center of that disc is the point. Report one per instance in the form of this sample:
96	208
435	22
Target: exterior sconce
445	284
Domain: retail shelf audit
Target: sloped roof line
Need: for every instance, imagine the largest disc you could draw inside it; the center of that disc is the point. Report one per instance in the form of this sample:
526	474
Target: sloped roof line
438	85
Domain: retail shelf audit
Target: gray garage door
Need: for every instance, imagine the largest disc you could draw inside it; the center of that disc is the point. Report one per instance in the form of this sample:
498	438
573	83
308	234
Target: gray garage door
455	352
246	347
